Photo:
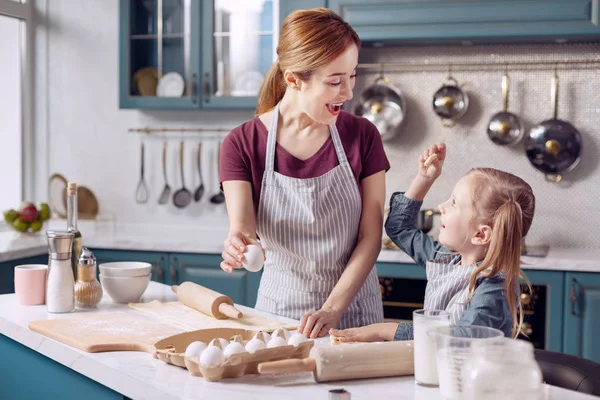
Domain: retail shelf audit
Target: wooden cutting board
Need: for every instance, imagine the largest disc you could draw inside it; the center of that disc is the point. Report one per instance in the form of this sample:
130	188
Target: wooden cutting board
177	313
118	331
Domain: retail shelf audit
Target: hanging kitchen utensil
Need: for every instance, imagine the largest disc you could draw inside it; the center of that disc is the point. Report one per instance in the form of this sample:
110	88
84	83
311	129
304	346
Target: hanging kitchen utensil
450	102
505	128
182	197
141	192
219	197
553	146
166	192
200	190
384	105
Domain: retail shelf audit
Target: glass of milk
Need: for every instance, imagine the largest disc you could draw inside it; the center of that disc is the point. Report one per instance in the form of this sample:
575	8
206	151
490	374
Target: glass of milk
425	349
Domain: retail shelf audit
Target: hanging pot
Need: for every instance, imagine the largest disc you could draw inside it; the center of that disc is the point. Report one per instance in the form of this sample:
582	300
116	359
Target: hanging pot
384	105
505	128
553	146
450	102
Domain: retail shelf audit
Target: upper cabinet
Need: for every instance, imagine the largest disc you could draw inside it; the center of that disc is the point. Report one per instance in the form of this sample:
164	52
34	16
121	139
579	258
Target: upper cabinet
159	58
189	54
476	21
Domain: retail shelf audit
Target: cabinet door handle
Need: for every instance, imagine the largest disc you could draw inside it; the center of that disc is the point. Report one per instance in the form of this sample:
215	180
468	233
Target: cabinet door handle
193	89
206	88
573	296
159	270
172	271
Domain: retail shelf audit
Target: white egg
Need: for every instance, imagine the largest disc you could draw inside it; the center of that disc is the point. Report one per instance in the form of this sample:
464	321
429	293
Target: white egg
194	349
276	341
254	345
212	355
233	348
296	339
264	336
282	333
253	258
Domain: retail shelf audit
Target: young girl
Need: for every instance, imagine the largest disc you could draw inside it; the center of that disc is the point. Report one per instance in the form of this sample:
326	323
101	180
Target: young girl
483	222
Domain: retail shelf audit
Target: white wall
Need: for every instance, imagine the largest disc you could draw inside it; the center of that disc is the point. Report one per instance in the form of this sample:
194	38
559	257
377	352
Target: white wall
10	113
89	142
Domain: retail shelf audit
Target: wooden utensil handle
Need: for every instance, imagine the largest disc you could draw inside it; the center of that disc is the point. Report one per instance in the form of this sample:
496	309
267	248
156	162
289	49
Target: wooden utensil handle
287	366
230	311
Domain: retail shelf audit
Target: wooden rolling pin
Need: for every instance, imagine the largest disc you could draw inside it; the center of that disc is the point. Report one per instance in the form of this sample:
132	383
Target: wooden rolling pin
206	300
350	361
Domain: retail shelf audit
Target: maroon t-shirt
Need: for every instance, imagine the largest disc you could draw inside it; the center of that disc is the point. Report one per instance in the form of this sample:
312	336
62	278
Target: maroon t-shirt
243	153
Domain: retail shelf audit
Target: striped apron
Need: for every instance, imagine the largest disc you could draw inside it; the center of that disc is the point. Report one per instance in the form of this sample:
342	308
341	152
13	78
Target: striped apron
447	286
309	229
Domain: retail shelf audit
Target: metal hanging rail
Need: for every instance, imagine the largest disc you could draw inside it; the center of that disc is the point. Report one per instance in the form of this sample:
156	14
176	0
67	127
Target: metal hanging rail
171	133
498	65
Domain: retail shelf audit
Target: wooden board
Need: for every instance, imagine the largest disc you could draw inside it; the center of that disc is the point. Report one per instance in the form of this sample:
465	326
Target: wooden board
119	331
177	313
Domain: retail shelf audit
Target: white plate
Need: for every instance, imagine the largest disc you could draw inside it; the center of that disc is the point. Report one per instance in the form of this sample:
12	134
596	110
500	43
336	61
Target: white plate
170	85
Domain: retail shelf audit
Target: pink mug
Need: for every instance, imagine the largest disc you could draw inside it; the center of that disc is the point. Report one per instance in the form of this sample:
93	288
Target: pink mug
30	284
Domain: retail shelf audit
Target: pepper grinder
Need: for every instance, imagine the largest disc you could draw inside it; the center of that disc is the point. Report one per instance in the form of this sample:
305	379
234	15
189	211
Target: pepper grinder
60	285
88	291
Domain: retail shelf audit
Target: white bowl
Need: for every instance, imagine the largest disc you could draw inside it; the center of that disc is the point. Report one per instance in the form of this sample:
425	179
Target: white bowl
125	268
124	290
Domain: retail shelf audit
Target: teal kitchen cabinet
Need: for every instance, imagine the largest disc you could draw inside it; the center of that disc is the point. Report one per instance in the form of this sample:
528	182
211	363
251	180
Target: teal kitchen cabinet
205	270
159	261
582	315
157	37
477	21
222	49
7	271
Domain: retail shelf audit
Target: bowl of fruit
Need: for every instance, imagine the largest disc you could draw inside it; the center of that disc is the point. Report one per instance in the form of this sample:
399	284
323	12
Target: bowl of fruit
28	218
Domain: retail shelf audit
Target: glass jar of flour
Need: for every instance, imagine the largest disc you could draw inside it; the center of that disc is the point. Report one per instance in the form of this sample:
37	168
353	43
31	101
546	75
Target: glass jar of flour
504	369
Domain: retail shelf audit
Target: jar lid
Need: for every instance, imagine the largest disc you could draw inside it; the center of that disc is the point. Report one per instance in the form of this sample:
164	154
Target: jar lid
87	257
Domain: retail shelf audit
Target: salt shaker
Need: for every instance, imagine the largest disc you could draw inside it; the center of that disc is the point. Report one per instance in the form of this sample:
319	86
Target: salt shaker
60	286
88	291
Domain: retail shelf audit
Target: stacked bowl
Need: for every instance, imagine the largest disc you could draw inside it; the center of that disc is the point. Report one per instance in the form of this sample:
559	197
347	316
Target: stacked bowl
125	281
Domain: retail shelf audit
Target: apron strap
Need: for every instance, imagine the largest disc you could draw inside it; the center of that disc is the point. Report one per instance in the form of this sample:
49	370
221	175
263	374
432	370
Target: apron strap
272	142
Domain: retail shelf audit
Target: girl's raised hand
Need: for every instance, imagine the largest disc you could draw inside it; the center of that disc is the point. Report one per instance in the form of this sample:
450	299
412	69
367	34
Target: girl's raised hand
432	160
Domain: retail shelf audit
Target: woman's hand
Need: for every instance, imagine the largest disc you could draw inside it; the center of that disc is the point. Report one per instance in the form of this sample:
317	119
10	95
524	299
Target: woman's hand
314	324
369	333
434	169
235	246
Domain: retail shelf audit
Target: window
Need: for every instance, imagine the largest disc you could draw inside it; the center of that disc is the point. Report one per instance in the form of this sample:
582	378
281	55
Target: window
15	103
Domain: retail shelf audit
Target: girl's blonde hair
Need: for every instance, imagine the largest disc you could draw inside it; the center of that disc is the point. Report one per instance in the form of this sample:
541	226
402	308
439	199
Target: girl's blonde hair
308	40
506	203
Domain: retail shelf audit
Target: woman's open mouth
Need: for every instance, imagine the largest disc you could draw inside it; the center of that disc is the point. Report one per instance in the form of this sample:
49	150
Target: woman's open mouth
334	108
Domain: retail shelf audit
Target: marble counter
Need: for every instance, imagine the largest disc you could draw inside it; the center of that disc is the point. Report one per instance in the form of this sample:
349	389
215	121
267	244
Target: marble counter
139	376
210	241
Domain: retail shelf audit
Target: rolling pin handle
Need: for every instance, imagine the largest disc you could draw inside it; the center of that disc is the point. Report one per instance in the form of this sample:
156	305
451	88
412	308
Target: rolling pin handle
230	311
287	366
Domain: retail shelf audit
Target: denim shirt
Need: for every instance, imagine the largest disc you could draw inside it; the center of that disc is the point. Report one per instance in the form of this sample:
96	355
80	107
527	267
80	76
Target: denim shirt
488	306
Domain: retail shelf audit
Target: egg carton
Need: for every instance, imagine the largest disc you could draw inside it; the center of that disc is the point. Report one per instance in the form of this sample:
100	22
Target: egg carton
172	351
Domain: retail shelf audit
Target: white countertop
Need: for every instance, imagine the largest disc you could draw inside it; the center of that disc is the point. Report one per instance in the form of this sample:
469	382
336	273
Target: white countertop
15	245
139	376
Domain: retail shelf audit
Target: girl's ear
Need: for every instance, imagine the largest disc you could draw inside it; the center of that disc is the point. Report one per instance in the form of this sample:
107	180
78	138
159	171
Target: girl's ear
482	236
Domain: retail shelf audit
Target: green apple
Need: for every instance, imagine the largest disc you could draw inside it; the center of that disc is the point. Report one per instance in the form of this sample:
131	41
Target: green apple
36	225
44	210
10	215
20	225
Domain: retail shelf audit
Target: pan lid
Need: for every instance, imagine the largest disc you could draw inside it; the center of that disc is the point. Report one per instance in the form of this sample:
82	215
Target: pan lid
553	146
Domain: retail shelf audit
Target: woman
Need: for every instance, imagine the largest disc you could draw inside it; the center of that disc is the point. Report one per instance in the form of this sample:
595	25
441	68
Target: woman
308	180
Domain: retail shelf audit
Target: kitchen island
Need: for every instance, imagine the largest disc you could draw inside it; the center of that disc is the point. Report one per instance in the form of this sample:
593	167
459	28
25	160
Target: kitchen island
35	366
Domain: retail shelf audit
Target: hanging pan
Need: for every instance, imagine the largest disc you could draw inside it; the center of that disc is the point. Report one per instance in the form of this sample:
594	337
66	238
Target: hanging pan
553	146
505	128
450	102
384	105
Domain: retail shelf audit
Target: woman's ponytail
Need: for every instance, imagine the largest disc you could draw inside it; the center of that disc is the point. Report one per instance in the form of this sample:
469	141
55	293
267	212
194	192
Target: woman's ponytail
271	91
